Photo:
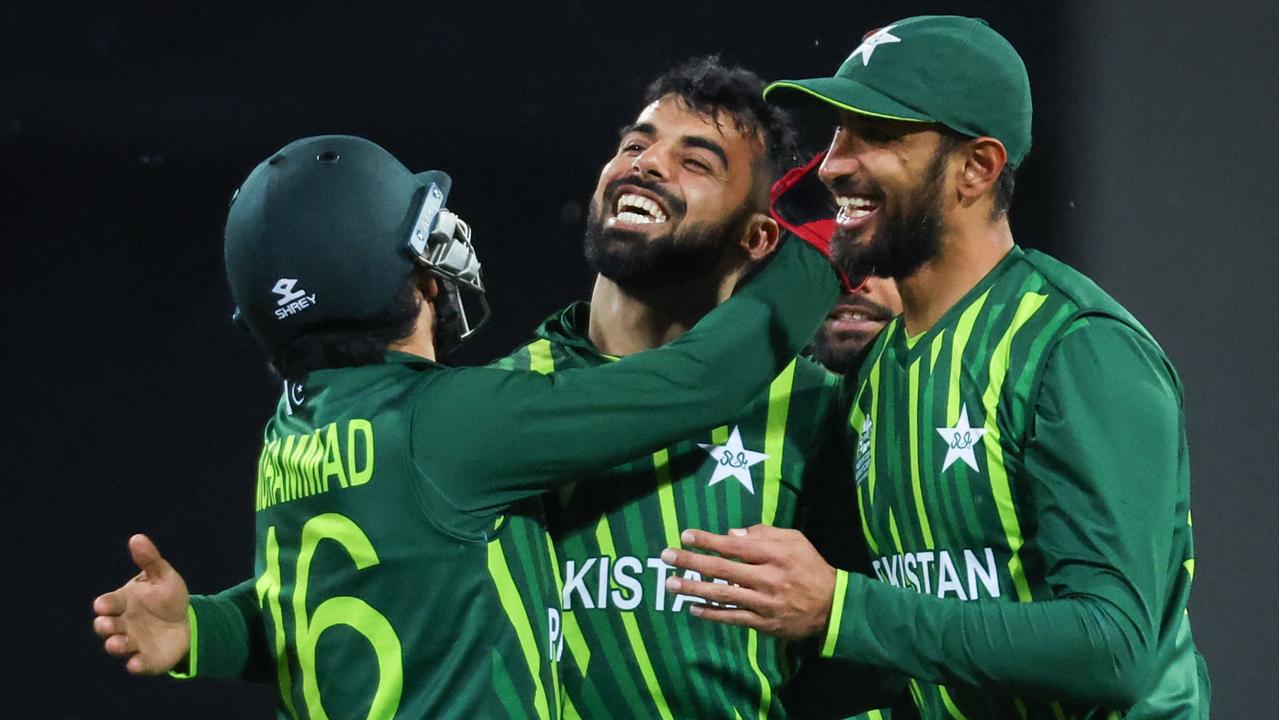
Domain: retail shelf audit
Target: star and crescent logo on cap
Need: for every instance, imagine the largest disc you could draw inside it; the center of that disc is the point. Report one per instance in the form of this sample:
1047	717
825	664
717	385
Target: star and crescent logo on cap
882	36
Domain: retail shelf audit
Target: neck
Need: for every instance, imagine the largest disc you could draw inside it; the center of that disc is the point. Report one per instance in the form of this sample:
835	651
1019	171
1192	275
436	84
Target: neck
422	341
965	257
422	347
627	320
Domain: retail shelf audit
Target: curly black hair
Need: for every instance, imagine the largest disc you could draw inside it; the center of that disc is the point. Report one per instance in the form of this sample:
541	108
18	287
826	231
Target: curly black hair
707	86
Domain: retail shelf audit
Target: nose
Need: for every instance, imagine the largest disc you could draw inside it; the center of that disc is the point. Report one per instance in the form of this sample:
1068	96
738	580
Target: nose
842	158
867	286
652	162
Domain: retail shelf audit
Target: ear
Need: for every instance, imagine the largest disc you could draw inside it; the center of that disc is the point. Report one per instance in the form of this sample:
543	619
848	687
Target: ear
427	285
760	238
984	159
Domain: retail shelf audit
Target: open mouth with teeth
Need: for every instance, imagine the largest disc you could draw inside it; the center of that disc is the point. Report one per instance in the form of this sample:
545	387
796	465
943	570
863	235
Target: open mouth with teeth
634	209
854	209
855	318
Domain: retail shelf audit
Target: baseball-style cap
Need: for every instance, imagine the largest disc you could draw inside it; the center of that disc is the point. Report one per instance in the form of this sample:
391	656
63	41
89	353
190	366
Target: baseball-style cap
955	71
321	232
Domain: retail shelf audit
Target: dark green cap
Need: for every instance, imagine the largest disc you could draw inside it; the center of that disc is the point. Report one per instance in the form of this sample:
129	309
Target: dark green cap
945	69
319	232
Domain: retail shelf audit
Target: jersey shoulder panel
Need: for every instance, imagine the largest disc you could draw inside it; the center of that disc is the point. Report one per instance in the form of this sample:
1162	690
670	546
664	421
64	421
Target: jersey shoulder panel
1091	308
1079	289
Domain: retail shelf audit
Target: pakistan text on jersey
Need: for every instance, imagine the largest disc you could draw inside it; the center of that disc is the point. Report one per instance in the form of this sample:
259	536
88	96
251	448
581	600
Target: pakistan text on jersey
299	466
601	583
936	573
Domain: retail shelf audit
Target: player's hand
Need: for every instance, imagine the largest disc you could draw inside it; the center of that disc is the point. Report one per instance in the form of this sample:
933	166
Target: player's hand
779	583
815	230
145	620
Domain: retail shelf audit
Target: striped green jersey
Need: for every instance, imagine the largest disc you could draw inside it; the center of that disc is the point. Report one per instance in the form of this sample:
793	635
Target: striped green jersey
1023	483
630	644
402	565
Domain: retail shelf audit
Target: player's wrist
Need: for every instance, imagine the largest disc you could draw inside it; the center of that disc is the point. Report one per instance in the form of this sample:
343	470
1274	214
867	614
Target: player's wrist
835	612
187	632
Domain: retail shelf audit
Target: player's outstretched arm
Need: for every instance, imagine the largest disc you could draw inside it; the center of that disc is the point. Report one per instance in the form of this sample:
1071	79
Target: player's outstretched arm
145	620
523	432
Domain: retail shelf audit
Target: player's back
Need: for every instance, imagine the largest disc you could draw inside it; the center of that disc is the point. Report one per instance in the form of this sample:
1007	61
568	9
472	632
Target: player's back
383	596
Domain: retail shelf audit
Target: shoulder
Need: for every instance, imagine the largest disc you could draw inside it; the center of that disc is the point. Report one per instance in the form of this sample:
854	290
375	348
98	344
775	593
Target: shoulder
1107	342
1106	352
1047	300
517	359
1077	291
1090	310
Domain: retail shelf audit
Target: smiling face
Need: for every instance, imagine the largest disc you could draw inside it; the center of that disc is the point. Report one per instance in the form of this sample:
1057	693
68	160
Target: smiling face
678	192
854	322
889	180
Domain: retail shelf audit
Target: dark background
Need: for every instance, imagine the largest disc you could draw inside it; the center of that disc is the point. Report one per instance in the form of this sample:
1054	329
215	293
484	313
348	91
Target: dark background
132	404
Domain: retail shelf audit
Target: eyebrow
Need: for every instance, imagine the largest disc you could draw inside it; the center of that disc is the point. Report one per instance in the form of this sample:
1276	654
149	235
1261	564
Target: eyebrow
696	141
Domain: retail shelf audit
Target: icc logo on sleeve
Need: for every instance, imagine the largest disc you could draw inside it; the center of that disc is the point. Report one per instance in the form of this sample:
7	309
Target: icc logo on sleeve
863	452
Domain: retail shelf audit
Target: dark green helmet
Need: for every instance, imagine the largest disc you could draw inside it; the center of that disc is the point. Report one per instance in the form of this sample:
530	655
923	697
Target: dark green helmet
329	228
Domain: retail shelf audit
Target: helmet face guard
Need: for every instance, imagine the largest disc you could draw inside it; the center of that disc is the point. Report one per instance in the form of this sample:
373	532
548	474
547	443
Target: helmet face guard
440	241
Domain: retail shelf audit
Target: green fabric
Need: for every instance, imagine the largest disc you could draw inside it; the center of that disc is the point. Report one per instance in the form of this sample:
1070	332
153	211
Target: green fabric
950	70
221	622
1071	537
398	499
625	636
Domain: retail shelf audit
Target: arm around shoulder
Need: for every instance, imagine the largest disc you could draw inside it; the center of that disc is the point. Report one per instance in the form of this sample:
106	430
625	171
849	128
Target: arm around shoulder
496	436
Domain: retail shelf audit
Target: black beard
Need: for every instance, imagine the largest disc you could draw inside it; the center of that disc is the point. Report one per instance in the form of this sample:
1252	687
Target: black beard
839	355
906	240
635	262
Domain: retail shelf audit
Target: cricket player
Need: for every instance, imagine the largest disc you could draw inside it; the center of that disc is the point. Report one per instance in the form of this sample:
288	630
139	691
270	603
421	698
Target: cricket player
854	322
402	563
1018	437
693	171
840	345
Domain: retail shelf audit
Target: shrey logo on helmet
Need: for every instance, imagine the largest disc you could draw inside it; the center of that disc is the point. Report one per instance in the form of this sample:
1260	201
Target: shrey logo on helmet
291	301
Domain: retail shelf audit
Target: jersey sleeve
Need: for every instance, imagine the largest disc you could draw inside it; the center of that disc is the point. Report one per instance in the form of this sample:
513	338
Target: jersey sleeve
1104	453
484	438
227	638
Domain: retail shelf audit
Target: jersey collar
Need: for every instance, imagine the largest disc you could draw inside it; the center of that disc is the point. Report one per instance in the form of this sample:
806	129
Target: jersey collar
906	351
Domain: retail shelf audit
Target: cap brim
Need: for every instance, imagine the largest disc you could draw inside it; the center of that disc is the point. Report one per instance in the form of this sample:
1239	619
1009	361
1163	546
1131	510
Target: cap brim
844	94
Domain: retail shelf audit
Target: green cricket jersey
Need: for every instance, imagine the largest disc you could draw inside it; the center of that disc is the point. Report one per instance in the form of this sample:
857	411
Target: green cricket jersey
633	650
403	568
1022	475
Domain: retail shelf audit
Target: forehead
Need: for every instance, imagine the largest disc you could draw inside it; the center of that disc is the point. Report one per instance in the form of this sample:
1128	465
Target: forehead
672	119
859	123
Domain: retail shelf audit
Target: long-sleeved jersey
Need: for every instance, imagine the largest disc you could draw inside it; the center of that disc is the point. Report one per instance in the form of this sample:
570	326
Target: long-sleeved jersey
632	649
1024	486
402	566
